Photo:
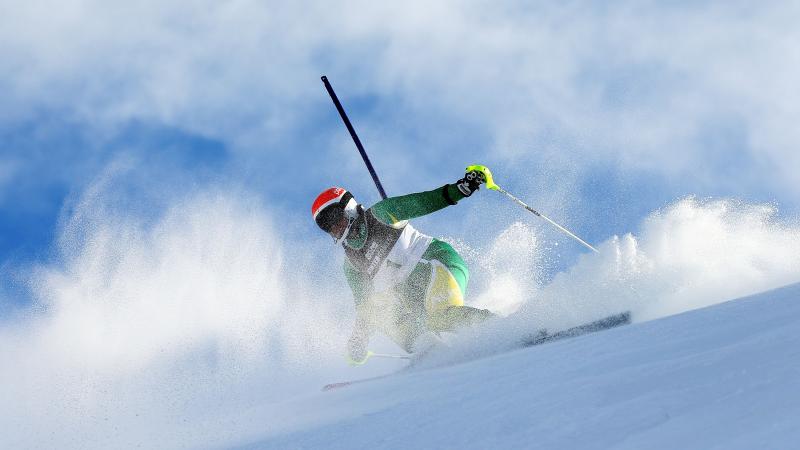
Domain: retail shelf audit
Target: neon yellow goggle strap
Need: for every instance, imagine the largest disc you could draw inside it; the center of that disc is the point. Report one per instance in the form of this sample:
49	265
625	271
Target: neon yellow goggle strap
487	174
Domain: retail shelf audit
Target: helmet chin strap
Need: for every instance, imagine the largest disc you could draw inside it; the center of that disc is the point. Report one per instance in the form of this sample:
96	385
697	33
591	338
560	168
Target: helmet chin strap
351	212
346	231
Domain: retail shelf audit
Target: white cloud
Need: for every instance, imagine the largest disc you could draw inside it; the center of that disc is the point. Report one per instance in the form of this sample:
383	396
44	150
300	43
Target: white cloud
640	85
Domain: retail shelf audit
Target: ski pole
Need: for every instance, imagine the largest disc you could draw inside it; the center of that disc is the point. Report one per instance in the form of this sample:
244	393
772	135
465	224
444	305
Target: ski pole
386	355
370	354
354	136
490	184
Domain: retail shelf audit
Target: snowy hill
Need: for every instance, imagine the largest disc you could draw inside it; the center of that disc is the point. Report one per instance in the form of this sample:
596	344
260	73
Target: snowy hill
726	376
184	336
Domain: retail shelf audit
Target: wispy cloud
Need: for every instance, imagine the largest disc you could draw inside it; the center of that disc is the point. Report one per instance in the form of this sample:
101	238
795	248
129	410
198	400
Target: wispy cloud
689	97
594	104
644	84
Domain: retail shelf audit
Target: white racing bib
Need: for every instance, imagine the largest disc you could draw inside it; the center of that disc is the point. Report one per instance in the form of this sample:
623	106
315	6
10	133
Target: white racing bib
402	258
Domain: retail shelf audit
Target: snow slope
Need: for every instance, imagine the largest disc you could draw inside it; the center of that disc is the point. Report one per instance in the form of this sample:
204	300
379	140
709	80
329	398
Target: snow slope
726	376
198	330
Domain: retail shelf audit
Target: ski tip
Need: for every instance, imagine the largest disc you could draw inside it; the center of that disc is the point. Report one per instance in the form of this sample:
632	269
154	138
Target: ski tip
623	318
332	386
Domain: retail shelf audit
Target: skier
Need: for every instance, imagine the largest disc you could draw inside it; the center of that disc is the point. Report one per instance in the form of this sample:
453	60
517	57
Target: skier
405	283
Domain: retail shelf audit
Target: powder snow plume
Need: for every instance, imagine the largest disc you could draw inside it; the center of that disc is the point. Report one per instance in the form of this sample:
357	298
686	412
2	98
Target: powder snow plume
153	331
689	255
692	254
189	327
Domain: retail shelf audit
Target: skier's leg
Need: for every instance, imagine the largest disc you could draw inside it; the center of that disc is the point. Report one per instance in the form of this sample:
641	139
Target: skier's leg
434	293
444	302
450	259
406	329
454	317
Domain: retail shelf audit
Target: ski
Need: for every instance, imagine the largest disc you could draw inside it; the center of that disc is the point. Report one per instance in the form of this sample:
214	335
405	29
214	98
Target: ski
543	336
341	384
540	337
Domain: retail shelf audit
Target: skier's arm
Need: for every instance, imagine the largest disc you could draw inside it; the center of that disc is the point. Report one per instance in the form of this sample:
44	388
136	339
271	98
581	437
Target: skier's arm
363	327
405	207
359	339
359	284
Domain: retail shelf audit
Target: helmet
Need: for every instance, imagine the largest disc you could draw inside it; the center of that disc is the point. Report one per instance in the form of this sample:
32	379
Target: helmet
330	206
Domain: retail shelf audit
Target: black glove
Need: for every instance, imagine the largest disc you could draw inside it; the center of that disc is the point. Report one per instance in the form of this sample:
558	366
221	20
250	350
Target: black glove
471	182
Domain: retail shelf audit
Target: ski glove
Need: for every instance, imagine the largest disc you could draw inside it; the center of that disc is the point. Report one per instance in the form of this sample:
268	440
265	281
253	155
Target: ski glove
471	182
357	349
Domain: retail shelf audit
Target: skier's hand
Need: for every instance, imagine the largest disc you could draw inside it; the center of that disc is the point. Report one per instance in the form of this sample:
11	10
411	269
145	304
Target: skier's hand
357	351
475	176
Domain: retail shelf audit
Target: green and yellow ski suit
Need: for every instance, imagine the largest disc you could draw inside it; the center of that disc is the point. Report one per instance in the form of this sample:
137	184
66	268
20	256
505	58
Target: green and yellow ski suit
405	283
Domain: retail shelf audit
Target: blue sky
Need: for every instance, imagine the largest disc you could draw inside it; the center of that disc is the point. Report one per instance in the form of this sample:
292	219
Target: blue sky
159	268
595	114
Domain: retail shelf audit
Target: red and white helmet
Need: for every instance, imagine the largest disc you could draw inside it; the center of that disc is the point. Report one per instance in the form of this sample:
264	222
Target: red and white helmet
333	204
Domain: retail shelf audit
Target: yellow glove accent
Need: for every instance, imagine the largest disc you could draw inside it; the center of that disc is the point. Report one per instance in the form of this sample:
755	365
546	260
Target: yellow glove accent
487	175
353	362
